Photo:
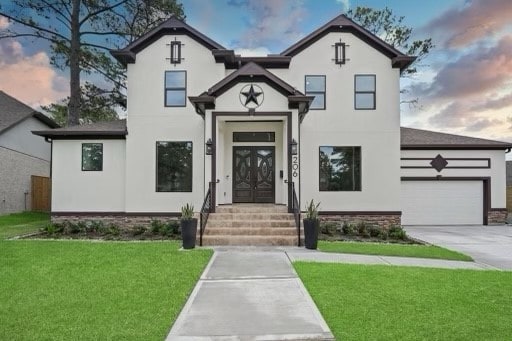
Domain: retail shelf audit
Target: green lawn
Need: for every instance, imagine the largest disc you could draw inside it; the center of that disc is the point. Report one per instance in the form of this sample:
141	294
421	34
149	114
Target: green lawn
388	249
21	223
68	290
363	302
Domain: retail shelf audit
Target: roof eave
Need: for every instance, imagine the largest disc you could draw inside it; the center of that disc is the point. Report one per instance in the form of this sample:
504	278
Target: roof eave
63	135
455	146
123	56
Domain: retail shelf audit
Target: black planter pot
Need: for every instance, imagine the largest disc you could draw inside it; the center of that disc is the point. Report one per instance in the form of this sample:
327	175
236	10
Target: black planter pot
311	233
189	232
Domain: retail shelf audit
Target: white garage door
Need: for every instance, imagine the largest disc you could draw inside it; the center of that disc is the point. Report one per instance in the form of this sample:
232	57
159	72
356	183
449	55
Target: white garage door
442	202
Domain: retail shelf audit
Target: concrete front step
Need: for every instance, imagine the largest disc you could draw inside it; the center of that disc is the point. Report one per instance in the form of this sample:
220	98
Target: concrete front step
251	223
210	240
252	208
250	216
251	231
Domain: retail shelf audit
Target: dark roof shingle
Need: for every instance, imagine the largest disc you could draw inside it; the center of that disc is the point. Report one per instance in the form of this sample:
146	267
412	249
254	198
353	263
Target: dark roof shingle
411	138
13	112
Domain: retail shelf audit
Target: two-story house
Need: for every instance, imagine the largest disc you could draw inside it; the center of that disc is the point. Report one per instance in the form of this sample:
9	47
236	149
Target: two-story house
321	121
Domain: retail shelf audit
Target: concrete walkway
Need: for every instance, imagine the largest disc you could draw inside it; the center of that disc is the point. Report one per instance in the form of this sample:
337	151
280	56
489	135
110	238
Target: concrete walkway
250	295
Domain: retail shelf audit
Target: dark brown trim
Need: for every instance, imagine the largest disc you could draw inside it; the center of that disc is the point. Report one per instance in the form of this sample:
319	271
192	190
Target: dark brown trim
498	209
345	213
116	214
486	181
216	114
83	135
447	159
454	146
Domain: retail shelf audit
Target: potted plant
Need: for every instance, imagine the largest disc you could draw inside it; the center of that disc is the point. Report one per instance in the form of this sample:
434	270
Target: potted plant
188	226
311	225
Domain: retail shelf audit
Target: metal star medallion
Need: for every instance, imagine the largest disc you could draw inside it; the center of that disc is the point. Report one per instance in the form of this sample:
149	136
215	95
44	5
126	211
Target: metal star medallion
251	96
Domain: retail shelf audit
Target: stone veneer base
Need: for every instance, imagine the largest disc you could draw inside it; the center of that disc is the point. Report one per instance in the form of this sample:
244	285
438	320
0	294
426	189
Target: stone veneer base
122	221
384	221
497	216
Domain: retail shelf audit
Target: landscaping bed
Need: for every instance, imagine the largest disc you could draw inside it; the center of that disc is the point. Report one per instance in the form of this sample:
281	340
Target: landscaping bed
55	290
333	231
374	302
92	229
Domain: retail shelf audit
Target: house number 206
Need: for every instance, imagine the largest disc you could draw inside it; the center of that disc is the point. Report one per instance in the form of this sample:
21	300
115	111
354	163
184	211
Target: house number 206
295	166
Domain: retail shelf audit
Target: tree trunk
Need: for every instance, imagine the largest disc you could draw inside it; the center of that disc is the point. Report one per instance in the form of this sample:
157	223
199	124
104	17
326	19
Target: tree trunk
74	66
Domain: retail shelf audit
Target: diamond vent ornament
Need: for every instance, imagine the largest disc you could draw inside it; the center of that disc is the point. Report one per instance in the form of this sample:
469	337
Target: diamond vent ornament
439	163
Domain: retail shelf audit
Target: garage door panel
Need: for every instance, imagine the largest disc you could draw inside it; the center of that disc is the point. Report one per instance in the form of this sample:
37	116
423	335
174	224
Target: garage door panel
442	202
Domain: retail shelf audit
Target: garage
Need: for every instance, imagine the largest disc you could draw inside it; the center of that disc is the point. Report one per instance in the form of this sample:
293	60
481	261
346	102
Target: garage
458	202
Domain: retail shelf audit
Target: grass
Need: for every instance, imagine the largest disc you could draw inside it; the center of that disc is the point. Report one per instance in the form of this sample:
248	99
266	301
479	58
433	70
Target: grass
389	249
362	302
67	290
21	223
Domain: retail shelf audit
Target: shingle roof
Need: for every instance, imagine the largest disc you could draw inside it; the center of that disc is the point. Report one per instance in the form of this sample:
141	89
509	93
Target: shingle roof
112	129
13	112
423	139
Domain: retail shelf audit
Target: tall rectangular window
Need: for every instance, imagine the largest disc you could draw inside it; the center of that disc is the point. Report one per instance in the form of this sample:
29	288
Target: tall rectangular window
339	53
340	168
173	166
364	86
315	86
175	88
92	156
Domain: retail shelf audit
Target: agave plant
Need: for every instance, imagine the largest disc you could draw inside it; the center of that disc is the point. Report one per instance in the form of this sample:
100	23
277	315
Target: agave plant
312	210
187	212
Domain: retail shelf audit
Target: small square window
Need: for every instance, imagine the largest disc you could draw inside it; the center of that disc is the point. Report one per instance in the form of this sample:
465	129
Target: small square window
315	86
175	88
92	156
364	92
340	168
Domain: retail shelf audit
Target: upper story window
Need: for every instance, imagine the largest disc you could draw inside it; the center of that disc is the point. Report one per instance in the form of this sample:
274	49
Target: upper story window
92	156
175	88
339	53
315	86
173	166
364	88
340	168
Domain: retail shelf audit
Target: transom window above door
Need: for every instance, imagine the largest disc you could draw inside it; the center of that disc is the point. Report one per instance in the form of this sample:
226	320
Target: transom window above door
175	88
315	86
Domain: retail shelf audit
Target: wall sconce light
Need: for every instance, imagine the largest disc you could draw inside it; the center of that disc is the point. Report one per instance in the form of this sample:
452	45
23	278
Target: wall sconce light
209	147
293	147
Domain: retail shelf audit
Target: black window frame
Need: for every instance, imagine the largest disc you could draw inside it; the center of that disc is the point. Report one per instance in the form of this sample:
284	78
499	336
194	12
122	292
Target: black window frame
191	167
374	92
175	59
357	185
175	89
312	93
339	48
82	159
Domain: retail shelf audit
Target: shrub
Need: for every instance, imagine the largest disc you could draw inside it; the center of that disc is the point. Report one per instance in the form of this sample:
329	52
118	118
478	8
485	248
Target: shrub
95	226
328	228
383	235
362	230
74	228
51	228
113	229
171	228
374	231
347	229
139	229
397	232
156	226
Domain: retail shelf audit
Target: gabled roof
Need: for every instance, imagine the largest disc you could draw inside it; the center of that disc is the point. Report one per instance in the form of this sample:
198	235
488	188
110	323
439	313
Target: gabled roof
13	112
101	130
342	23
423	139
173	25
252	72
235	61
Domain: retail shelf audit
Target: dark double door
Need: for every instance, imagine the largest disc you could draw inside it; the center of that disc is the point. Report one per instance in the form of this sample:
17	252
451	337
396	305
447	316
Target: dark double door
253	174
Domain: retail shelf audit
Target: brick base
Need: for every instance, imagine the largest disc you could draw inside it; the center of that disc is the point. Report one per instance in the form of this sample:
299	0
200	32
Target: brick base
497	216
121	221
382	220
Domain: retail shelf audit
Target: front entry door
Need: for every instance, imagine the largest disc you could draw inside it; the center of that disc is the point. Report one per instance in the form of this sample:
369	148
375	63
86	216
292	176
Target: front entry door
253	174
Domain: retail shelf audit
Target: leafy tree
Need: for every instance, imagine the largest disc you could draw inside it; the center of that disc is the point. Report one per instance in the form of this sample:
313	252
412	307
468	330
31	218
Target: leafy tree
81	33
390	27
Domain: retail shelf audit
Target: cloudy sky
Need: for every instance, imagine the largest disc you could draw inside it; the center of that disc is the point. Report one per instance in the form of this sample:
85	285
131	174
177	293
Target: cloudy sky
464	86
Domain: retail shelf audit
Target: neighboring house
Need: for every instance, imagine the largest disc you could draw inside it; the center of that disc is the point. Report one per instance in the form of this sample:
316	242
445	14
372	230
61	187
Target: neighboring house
320	120
509	173
22	154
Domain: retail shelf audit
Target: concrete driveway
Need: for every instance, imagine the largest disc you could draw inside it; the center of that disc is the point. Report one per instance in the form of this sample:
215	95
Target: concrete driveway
491	245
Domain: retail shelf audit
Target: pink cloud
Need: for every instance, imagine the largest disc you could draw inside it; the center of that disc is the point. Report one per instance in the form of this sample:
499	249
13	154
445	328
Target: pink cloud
4	23
29	78
477	19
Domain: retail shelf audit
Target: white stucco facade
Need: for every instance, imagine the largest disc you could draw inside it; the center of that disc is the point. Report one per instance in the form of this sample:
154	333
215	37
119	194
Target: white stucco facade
214	110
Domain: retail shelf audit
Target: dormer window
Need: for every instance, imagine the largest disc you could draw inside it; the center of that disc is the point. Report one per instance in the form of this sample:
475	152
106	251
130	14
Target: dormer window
339	53
175	52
